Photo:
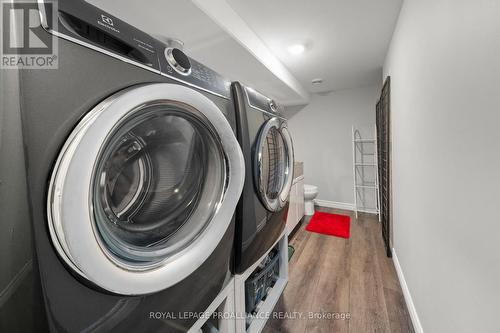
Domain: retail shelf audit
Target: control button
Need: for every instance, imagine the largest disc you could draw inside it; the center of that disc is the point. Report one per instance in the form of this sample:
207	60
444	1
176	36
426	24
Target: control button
178	60
273	106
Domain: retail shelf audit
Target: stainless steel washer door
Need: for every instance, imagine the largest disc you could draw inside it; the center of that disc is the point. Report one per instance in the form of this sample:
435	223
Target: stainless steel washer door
273	167
145	188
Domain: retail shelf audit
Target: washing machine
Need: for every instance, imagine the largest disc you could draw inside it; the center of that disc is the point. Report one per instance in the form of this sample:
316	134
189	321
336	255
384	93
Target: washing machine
123	172
268	150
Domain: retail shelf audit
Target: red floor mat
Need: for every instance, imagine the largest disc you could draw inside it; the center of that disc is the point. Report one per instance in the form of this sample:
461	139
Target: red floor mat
330	224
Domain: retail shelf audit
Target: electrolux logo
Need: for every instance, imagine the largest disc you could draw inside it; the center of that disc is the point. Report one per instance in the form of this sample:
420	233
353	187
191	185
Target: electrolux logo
24	42
107	22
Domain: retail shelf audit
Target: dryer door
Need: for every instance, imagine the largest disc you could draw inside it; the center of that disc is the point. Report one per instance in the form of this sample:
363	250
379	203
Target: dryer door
273	164
145	188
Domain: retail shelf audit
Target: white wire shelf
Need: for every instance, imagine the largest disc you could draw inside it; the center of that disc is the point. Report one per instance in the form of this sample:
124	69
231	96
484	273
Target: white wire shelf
361	172
367	186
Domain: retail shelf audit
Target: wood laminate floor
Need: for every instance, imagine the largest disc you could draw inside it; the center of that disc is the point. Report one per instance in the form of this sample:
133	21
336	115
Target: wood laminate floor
331	278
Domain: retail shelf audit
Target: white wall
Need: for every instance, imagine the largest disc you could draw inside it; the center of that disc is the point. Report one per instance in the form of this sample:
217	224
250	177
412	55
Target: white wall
321	135
444	63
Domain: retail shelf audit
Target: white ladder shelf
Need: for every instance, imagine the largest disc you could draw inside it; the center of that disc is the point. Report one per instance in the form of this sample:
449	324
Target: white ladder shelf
358	168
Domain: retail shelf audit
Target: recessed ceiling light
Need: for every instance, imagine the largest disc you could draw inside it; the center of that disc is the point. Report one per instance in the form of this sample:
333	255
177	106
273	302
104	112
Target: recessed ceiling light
317	81
296	48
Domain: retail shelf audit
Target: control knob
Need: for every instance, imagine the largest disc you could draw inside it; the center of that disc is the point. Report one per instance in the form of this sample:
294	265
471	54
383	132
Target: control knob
178	60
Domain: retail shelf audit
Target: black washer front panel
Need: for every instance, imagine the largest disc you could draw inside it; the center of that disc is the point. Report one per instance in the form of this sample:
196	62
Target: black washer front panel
90	26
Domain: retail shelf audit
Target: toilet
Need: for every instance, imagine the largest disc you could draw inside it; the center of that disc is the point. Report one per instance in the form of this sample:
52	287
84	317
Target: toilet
310	192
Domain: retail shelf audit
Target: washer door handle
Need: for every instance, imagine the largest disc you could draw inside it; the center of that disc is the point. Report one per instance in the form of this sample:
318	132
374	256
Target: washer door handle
287	138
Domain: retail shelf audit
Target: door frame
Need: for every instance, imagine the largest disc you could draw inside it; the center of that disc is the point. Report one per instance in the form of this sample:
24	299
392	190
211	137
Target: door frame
386	217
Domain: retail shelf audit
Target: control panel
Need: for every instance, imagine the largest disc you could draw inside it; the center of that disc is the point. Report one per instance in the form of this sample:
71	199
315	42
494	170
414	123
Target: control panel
92	27
261	102
176	64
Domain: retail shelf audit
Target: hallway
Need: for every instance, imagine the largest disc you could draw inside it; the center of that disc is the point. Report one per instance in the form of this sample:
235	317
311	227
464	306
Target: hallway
345	278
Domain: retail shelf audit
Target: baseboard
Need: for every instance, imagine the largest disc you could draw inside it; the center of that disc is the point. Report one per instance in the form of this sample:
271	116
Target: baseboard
341	205
334	204
417	327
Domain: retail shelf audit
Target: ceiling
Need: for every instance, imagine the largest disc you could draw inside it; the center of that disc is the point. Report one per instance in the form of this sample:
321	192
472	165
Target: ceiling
346	39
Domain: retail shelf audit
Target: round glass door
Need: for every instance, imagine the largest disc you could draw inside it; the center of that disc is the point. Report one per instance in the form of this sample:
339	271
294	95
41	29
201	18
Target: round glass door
145	188
156	169
274	164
